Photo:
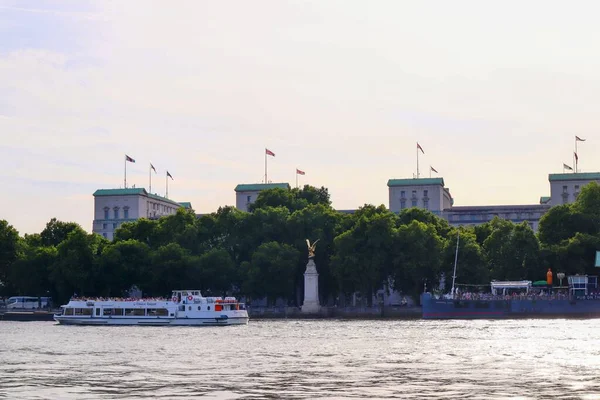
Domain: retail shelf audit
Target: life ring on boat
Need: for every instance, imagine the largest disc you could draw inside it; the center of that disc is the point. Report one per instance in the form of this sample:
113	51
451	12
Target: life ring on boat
174	299
190	298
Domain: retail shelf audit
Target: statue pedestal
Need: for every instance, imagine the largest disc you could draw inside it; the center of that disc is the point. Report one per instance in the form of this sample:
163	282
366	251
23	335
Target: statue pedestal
311	289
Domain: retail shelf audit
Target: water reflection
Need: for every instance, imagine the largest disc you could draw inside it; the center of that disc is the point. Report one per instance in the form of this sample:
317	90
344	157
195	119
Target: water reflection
303	359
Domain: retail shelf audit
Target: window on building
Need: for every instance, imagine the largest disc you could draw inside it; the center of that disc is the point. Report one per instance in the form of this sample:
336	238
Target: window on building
106	209
402	194
564	189
104	234
402	204
576	187
248	199
114	226
413	203
103	226
414	193
126	213
425	192
116	212
426	204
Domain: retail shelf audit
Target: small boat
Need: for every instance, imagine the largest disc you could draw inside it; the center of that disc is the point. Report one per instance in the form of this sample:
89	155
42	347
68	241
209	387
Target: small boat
184	308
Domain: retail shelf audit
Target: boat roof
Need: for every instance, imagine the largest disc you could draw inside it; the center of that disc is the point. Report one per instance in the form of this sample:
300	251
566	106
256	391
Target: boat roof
510	284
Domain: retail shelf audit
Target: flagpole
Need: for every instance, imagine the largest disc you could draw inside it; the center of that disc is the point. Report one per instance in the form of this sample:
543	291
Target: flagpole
430	171
417	160
150	176
167	184
576	155
266	176
296	177
125	180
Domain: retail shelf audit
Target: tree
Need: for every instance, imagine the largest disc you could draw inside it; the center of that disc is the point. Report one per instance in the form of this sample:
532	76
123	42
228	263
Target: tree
512	251
57	231
171	267
417	257
29	274
316	222
418	214
292	199
9	252
472	268
271	272
216	273
363	254
76	267
122	265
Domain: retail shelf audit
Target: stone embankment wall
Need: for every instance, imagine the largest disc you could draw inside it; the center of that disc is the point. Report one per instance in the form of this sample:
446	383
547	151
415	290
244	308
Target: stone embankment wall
338	312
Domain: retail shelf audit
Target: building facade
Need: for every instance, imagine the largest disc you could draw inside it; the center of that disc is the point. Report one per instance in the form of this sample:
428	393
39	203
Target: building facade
112	207
564	188
431	194
246	194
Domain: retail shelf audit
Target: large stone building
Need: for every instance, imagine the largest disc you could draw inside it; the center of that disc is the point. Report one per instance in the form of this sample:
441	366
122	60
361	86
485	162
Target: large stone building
112	207
246	194
431	194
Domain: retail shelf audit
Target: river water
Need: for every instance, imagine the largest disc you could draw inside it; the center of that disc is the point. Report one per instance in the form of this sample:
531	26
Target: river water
308	359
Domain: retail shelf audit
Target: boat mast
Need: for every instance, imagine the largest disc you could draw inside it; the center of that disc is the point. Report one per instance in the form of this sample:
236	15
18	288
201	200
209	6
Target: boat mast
455	261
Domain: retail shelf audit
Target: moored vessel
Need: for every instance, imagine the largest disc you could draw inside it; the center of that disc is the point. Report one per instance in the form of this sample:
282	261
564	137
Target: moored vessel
518	299
183	308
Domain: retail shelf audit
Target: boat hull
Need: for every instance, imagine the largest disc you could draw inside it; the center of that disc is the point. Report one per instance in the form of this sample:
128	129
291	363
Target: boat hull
142	321
514	308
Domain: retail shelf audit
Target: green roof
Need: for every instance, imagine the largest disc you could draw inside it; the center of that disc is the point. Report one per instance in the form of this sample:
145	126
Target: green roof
257	187
415	182
579	176
119	192
186	204
133	192
544	199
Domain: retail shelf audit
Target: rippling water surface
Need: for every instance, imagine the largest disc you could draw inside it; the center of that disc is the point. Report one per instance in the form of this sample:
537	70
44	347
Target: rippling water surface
304	359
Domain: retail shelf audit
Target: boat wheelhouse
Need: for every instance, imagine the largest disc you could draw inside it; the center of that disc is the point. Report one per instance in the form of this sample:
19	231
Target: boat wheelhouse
184	307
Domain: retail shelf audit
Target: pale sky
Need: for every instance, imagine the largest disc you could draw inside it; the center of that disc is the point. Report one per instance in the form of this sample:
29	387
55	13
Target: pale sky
493	91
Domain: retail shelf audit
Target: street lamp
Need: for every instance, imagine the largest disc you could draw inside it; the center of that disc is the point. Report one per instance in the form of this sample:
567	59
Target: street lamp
560	277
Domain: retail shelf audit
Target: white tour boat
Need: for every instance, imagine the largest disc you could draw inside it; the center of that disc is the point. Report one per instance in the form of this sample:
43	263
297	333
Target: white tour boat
185	307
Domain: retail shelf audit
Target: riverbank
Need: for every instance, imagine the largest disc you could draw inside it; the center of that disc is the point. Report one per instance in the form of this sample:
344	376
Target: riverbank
385	312
27	315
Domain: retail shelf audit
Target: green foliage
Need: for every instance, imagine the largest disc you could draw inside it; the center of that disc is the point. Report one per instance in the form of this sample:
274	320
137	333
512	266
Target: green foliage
263	253
9	252
294	199
417	256
271	272
363	254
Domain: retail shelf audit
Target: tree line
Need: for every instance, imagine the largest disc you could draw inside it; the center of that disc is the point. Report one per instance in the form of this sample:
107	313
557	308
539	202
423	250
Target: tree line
262	253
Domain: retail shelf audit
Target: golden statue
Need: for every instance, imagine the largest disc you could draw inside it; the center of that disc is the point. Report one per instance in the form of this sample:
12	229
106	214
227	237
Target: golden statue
311	248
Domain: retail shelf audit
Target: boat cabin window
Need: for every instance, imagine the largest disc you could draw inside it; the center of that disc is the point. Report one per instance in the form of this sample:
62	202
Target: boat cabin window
199	308
97	312
83	311
190	308
68	311
181	308
157	312
208	308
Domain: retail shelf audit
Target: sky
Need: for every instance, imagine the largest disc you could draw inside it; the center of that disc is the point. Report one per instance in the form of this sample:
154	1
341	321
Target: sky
494	92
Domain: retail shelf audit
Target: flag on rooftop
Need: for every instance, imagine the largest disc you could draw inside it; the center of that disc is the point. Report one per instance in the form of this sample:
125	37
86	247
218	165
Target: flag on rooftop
300	172
576	157
578	139
269	152
152	167
565	166
420	148
127	158
169	175
433	169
